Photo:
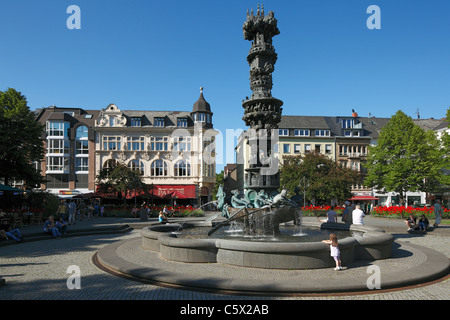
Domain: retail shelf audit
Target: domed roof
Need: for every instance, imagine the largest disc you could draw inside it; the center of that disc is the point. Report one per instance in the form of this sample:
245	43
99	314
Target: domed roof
201	105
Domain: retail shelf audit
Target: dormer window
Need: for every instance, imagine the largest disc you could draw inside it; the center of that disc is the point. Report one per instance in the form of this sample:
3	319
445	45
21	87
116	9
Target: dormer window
159	122
347	123
136	122
301	132
182	122
322	133
283	132
112	121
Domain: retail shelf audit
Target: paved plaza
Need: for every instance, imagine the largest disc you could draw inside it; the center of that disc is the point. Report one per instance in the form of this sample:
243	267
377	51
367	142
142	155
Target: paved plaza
39	270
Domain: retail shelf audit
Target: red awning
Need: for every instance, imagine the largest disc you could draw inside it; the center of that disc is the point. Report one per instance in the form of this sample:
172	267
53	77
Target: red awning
178	191
360	198
158	192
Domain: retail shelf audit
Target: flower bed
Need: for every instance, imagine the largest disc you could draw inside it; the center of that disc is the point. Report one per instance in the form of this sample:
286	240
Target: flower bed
404	212
319	211
179	211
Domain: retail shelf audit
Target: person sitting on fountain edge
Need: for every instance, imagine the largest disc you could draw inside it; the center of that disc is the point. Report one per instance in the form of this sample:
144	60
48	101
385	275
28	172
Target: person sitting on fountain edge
331	216
162	218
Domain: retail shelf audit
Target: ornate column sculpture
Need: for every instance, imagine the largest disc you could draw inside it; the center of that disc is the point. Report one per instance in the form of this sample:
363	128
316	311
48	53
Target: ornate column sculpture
262	112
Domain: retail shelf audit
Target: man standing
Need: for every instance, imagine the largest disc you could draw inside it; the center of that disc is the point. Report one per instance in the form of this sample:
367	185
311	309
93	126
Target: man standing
437	213
347	214
358	215
72	208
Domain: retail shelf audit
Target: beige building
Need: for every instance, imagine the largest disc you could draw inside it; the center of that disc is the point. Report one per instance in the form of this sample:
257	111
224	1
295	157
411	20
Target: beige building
344	139
174	150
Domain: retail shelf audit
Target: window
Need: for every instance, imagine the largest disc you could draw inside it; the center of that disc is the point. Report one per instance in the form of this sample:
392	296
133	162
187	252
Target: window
158	168
136	122
135	143
159	143
355	133
322	133
182	168
343	150
347	123
182	143
110	164
81	164
159	122
58	129
208	170
297	148
307	147
301	132
58	164
347	133
136	165
112	121
112	143
182	122
208	144
82	147
283	132
82	132
57	146
328	149
286	148
199	117
317	148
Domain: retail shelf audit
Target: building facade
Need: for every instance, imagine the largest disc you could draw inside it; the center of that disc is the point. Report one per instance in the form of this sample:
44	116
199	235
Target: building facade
173	150
69	141
345	139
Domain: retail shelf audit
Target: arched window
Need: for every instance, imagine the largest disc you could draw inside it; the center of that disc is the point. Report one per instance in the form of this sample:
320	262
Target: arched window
110	164
159	168
182	168
81	141
82	132
136	165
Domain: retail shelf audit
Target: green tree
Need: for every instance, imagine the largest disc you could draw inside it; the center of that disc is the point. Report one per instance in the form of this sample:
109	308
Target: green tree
317	177
405	158
219	181
122	180
21	140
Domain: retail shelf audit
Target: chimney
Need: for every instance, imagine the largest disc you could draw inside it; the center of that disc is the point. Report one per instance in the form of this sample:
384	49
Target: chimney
354	114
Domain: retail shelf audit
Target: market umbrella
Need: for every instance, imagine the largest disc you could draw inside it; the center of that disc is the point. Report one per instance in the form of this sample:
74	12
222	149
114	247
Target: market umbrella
4	187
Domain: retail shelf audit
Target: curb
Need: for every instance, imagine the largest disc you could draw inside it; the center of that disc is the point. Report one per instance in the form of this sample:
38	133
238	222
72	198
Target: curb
29	237
436	266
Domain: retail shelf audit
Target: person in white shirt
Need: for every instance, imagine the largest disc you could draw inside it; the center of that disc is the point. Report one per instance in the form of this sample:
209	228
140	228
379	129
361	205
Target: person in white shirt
358	215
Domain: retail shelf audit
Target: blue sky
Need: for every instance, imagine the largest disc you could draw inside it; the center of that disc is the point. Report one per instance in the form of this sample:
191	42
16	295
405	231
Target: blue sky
155	55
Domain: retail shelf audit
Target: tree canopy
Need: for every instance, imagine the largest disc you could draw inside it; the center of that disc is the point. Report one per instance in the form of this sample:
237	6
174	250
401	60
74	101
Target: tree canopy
405	158
122	180
21	142
318	177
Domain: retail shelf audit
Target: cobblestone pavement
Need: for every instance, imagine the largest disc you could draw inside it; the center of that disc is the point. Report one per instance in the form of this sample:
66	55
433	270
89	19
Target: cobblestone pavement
39	270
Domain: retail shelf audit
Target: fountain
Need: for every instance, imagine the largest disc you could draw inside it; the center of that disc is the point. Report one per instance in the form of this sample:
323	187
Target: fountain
260	215
262	209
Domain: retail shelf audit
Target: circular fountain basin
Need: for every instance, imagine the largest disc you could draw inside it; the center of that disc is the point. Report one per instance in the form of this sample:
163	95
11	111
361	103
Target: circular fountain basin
362	242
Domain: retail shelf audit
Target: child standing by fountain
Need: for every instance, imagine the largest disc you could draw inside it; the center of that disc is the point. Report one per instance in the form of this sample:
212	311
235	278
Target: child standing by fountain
334	249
